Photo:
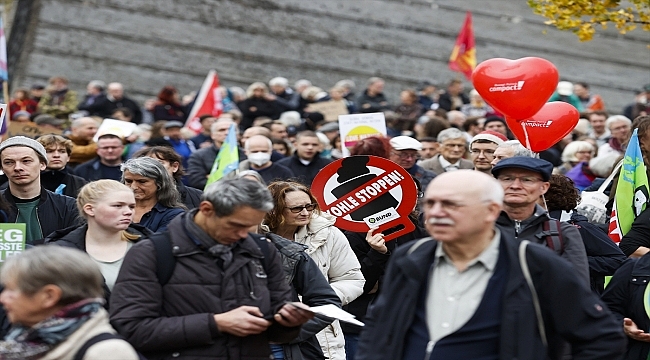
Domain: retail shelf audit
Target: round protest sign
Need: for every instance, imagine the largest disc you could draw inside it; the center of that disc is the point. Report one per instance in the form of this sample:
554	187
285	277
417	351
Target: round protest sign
365	192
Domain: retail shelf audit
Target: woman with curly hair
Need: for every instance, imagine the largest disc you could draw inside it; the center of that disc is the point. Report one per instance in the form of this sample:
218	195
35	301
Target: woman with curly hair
603	255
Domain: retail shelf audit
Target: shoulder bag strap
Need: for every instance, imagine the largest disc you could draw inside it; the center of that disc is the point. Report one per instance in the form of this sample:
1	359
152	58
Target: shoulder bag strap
538	311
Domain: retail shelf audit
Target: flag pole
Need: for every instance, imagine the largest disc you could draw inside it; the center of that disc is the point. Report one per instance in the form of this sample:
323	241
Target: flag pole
5	83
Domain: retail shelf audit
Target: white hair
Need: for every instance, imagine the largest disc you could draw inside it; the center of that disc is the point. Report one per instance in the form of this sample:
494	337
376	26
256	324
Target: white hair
246	143
279	81
493	191
519	150
603	165
614	118
450	134
569	152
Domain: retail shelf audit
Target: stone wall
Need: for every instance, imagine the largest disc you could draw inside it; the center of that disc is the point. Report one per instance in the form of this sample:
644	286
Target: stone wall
147	44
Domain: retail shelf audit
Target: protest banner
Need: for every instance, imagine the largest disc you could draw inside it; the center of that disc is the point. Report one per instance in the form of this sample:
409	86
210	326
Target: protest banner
331	110
30	130
365	192
208	101
115	127
12	240
355	127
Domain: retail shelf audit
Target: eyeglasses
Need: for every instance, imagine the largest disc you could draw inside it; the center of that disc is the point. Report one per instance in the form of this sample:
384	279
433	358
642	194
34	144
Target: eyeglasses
487	153
447	205
524	180
404	156
298	209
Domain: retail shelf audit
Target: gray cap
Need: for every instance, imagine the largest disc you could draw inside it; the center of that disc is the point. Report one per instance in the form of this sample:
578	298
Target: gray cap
173	123
27	142
45	119
329	127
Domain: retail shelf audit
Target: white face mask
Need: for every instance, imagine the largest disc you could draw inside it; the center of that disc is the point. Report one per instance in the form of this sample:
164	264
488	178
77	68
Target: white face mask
259	158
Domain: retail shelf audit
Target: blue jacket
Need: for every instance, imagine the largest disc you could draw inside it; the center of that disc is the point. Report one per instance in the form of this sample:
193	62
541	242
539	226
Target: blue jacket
571	311
157	219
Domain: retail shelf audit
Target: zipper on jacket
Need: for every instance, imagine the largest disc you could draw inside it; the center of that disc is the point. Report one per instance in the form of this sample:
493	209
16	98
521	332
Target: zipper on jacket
517	227
39	223
430	345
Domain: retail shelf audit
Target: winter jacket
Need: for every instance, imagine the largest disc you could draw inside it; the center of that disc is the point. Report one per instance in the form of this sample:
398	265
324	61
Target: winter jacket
176	320
370	104
304	173
373	265
254	107
104	350
570	310
602	253
331	251
638	234
92	170
303	274
574	248
159	217
446	102
200	164
190	196
50	102
54	211
52	179
624	296
82	151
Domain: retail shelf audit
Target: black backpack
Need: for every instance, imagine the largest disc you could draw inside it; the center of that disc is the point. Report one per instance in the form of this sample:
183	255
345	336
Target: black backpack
552	234
165	260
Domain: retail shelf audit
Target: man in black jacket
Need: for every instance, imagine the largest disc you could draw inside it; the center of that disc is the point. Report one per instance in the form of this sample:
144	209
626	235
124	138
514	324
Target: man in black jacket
306	161
42	211
225	299
56	177
473	292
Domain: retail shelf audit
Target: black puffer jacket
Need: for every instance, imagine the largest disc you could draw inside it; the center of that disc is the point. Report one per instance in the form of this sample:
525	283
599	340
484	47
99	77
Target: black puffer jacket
176	320
302	273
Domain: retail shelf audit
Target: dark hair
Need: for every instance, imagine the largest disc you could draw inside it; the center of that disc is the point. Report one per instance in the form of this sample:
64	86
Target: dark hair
284	143
374	145
126	111
428	139
471	121
434	126
562	194
166	95
583	84
598	112
205	116
163	153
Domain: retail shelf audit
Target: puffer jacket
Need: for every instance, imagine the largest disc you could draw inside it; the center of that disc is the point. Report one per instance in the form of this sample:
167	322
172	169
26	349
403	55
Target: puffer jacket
331	251
302	273
176	320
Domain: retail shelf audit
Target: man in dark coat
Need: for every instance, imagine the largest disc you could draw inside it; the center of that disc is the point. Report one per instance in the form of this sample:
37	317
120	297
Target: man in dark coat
473	292
373	98
224	298
306	161
41	210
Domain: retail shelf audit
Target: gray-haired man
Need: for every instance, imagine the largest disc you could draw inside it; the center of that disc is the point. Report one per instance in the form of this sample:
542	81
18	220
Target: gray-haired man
453	145
226	297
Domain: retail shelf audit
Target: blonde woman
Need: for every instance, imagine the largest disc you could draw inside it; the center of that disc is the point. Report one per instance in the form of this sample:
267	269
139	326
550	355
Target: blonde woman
108	208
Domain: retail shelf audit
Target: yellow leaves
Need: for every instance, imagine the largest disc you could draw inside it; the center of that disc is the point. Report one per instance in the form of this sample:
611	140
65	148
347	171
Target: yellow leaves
581	16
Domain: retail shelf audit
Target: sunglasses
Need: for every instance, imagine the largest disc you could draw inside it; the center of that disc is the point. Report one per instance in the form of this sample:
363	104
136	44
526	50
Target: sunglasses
297	209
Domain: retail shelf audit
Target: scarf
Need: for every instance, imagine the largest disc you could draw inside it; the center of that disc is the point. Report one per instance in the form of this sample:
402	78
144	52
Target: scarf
616	145
222	253
33	342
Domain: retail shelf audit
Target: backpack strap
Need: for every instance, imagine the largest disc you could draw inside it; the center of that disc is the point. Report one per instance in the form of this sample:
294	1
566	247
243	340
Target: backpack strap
552	235
263	243
92	341
165	261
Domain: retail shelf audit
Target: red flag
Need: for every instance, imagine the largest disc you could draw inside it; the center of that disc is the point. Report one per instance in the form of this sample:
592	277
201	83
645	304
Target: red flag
463	57
614	229
208	101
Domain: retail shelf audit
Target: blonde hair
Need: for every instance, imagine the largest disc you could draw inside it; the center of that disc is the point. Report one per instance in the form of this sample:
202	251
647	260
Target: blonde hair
94	192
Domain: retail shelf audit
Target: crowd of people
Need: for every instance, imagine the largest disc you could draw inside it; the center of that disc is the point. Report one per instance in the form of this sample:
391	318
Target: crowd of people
133	253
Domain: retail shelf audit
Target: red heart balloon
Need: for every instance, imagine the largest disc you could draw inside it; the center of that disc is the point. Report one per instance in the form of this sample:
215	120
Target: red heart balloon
552	123
516	88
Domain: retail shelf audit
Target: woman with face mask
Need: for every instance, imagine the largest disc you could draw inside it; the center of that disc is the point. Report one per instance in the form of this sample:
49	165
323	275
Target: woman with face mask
258	150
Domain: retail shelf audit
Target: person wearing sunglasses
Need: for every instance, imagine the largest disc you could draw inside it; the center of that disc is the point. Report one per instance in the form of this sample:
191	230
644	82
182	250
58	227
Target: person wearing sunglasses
296	216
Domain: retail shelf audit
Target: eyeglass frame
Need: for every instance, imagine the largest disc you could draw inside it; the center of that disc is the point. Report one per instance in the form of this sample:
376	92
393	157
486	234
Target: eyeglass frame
404	156
524	182
301	208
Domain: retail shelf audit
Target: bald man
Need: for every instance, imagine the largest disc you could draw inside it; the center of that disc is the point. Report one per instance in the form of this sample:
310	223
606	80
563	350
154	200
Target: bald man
258	149
462	293
82	131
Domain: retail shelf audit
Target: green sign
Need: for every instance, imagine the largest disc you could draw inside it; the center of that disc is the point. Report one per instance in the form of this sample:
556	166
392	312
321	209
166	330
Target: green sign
12	240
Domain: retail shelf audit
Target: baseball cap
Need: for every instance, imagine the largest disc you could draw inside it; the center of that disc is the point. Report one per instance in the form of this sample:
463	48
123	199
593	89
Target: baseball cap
539	166
173	123
404	143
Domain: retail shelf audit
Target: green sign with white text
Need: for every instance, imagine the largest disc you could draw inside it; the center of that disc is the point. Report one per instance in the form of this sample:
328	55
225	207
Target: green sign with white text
12	240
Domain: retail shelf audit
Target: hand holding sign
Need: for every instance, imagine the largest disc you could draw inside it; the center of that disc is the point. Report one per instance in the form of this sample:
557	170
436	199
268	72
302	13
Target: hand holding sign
365	192
541	131
516	88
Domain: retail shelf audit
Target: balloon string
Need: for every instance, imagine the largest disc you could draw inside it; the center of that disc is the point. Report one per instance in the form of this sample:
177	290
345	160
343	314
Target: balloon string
535	155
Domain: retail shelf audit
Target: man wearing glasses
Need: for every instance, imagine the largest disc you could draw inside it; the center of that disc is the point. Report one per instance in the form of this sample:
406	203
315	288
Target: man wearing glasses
524	181
482	148
452	149
406	152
